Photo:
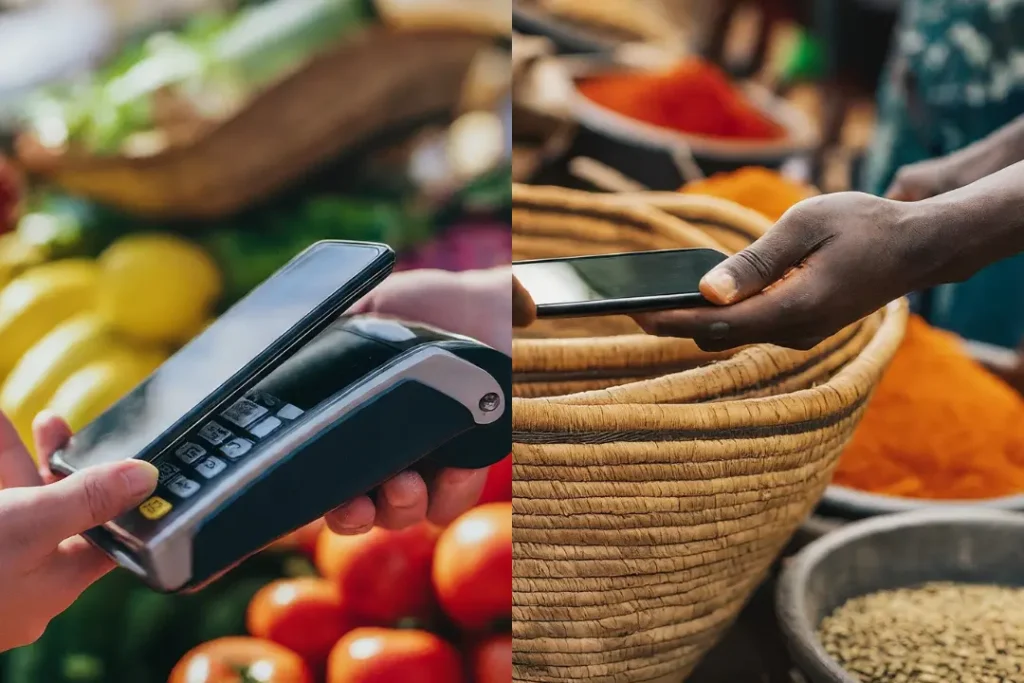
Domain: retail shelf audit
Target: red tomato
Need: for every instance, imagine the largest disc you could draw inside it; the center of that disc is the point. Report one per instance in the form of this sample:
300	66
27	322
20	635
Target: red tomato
490	660
238	660
383	576
305	615
303	540
499	483
381	655
473	567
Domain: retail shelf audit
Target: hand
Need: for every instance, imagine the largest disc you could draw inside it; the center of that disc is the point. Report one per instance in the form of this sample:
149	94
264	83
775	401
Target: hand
830	261
933	177
44	563
477	304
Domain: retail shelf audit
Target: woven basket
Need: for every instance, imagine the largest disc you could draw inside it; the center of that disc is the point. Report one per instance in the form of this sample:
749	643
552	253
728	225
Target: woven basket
652	489
371	83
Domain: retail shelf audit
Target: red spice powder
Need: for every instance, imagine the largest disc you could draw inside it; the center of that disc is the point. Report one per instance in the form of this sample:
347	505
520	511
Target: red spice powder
695	98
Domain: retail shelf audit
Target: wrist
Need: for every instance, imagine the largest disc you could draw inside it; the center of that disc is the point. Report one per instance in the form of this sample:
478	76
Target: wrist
989	155
957	234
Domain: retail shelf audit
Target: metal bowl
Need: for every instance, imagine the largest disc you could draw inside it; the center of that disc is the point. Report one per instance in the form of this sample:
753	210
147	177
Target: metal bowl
888	552
649	153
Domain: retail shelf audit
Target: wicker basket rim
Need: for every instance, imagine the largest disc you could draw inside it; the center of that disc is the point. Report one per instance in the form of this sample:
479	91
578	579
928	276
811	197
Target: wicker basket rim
847	387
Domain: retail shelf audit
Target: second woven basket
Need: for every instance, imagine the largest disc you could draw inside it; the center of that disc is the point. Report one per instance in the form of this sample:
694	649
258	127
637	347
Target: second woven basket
654	485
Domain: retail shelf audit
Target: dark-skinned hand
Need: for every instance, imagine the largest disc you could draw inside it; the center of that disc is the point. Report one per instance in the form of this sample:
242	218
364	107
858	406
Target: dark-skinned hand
828	262
934	177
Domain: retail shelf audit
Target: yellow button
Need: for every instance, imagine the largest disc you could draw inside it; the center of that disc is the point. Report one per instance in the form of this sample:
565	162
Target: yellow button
155	508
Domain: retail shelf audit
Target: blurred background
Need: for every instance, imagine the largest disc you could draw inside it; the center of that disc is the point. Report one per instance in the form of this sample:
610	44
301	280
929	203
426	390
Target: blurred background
160	158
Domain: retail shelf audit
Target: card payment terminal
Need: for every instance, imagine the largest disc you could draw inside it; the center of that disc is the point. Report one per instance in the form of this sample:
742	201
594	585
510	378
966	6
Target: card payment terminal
329	419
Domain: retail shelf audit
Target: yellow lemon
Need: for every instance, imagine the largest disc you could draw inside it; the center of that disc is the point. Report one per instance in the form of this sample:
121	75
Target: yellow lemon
157	287
90	391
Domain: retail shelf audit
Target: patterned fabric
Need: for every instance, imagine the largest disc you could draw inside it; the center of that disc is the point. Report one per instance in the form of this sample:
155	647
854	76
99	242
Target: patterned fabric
956	75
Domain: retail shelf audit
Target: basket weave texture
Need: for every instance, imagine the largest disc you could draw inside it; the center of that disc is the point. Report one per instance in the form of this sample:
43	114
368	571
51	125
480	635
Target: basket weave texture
653	488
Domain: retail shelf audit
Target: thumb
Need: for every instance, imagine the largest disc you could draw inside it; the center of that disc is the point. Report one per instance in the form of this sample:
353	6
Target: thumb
524	311
752	270
91	497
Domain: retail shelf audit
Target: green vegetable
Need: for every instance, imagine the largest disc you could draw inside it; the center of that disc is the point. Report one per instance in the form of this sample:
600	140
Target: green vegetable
215	62
263	240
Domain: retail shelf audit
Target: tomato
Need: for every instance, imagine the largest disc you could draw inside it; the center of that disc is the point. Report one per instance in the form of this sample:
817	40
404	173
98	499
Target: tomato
305	615
381	655
302	540
490	660
473	567
240	660
383	576
499	483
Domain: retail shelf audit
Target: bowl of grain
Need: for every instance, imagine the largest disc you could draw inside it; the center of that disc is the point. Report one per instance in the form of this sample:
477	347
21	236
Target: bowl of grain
933	596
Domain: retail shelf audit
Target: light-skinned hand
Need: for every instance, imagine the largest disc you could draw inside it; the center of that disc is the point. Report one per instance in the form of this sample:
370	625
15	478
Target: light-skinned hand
476	304
44	563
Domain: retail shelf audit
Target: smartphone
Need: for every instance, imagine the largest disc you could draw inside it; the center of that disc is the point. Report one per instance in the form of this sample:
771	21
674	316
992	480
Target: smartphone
246	343
614	284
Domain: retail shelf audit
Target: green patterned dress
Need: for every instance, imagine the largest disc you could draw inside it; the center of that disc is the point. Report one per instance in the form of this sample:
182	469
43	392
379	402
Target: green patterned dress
956	75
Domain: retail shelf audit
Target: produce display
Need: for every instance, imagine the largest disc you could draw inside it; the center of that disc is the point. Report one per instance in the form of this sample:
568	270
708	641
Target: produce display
314	608
93	298
168	88
695	97
77	334
931	634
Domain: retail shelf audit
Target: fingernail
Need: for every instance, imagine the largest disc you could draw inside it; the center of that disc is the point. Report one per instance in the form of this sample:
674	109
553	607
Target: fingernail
722	283
401	491
140	477
718	331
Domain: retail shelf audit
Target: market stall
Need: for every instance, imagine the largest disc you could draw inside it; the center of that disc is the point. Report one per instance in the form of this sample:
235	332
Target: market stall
158	186
685	483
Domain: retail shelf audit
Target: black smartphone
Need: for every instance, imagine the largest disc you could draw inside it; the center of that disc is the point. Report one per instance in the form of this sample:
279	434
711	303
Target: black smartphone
247	342
613	284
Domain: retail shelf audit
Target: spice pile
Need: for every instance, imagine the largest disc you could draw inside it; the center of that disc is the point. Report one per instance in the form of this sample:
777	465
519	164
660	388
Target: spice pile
756	188
939	426
938	633
695	98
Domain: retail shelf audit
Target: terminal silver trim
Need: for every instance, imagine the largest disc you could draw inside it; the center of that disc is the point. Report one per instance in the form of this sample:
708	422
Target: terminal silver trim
168	555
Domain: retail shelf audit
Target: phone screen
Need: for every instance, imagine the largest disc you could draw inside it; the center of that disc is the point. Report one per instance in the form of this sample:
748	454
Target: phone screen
636	275
323	280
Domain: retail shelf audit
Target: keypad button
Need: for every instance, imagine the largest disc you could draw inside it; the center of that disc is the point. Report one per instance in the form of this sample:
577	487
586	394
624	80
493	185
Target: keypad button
214	433
189	452
236	448
265	426
168	471
244	412
183	487
210	467
155	508
289	412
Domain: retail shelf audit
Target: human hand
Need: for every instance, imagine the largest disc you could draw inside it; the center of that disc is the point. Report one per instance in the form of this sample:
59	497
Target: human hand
477	304
44	563
934	177
828	262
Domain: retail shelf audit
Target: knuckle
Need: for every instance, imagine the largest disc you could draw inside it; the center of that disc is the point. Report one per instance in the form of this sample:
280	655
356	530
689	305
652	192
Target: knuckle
96	498
754	262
